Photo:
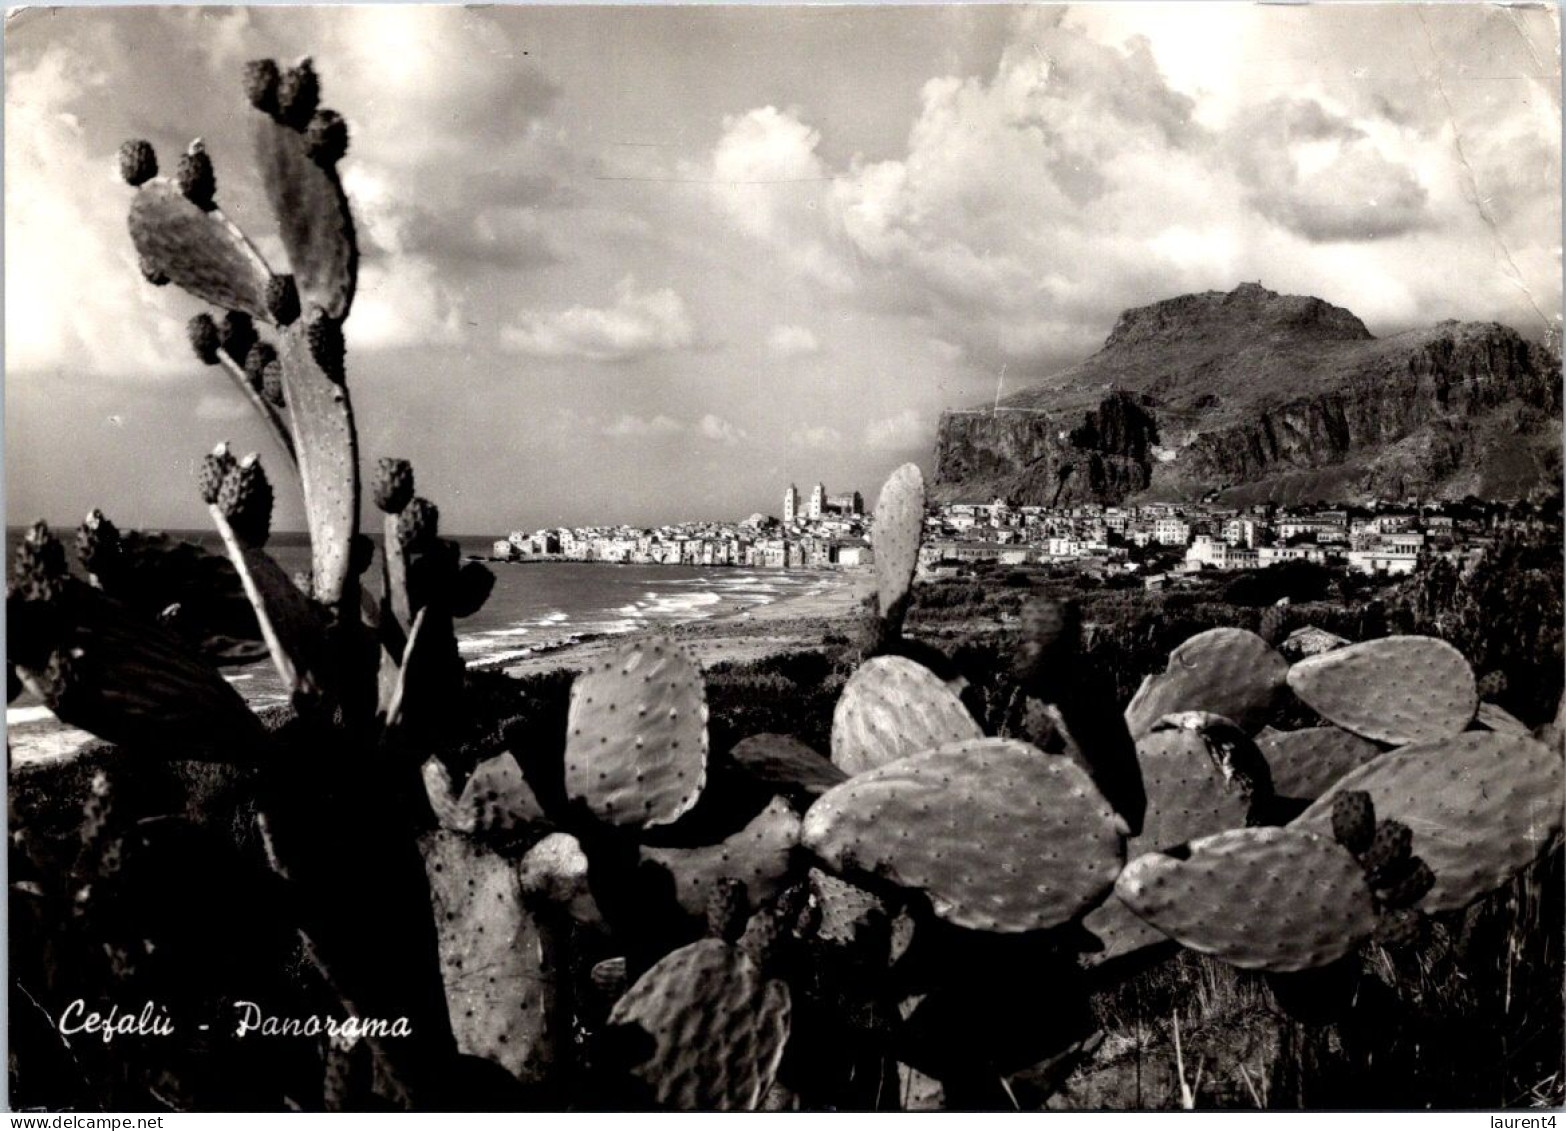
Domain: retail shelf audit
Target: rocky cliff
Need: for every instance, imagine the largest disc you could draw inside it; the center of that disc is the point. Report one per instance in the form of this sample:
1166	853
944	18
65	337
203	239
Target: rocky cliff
1252	395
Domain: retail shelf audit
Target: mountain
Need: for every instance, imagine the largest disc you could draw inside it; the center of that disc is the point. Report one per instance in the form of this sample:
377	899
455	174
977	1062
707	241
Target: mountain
1250	395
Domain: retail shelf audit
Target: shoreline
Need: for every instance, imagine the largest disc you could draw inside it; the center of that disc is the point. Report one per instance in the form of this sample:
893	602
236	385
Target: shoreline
794	622
791	623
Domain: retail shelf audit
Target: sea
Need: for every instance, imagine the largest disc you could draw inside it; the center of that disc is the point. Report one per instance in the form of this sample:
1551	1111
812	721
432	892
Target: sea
535	606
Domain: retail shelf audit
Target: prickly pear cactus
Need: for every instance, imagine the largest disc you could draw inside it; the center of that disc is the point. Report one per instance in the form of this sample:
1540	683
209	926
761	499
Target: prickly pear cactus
1395	690
1202	776
892	707
717	1025
999	836
758	858
1306	762
899	526
555	871
1227	671
198	249
496	983
1260	899
636	735
1478	805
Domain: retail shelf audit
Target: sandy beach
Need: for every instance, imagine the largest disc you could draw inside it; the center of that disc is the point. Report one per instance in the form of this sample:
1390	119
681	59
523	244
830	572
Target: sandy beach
827	605
796	622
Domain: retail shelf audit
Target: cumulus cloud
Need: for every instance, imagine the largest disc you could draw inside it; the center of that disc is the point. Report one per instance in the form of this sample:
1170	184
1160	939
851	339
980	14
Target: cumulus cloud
637	324
223	408
792	341
403	305
818	436
636	427
74	296
1319	175
724	432
901	432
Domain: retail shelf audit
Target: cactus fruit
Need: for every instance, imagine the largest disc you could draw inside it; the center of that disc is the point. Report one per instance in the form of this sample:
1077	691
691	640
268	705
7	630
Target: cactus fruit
261	82
728	910
610	977
1388	853
298	92
636	735
892	707
245	499
1306	762
555	871
1260	899
281	300
418	525
897	530
326	138
1408	887
39	572
321	419
237	332
444	800
313	216
1395	690
1480	805
758	857
98	545
1199	781
785	764
195	177
325	336
138	162
272	384
1227	671
718	1028
490	955
392	487
202	333
1354	821
261	355
998	835
215	467
198	250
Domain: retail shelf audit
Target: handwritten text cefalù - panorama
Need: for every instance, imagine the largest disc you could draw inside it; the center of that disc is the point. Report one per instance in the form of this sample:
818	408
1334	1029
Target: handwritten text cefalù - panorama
153	1020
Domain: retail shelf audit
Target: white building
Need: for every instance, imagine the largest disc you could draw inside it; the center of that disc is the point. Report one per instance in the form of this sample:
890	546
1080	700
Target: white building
817	502
791	503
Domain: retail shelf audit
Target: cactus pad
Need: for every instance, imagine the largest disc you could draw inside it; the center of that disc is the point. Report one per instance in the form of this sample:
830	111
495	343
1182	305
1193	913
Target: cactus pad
1492	717
999	835
897	529
892	707
636	735
786	764
1396	690
490	955
1227	671
197	249
1480	805
1260	899
718	1028
498	797
1195	788
1306	762
847	913
1387	856
758	856
313	217
321	419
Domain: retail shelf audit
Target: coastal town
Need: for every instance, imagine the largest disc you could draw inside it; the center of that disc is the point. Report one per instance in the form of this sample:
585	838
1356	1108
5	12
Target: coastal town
1158	541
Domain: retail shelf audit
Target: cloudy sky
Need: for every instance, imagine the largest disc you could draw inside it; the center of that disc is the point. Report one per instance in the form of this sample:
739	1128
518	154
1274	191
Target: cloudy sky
647	264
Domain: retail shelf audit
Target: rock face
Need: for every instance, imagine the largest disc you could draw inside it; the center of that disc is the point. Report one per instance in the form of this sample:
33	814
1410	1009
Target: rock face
1252	395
